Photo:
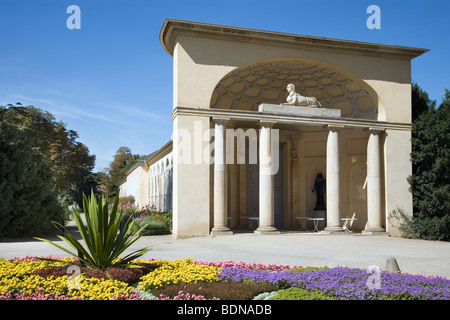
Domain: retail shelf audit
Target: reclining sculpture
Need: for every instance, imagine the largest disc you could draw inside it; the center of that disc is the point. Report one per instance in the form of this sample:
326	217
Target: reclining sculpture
296	99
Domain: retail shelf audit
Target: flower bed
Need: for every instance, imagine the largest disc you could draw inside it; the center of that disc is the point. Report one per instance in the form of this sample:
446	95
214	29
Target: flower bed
29	278
348	283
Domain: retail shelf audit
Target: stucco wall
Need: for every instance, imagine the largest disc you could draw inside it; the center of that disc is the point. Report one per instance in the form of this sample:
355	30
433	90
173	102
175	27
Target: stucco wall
202	59
136	185
200	63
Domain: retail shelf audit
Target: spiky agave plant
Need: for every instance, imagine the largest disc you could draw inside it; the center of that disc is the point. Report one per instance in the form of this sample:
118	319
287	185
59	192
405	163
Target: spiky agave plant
104	237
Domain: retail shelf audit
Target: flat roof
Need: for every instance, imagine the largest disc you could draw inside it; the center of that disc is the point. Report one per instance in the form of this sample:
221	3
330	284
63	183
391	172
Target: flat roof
172	28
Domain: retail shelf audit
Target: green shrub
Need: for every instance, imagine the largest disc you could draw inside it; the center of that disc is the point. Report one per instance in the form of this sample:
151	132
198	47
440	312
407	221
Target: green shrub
300	294
168	219
406	224
310	269
150	227
28	200
150	212
427	228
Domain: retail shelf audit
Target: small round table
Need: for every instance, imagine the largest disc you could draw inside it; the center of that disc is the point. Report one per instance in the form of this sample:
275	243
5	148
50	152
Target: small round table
316	223
302	222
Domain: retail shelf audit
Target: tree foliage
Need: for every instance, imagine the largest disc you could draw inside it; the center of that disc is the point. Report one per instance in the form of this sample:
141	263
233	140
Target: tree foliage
28	200
69	159
117	169
430	181
420	101
42	166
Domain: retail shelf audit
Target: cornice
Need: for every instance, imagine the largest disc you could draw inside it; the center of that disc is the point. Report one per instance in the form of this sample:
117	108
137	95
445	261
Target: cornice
155	156
171	29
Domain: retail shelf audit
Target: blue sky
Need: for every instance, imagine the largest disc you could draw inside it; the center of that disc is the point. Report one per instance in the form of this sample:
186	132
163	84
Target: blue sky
111	80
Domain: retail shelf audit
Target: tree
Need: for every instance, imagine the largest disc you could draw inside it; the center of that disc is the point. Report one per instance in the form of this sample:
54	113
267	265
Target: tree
116	171
69	159
430	181
28	199
91	183
420	101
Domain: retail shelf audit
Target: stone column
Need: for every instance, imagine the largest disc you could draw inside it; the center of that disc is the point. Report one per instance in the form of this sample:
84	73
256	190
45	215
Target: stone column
332	181
266	181
374	183
220	175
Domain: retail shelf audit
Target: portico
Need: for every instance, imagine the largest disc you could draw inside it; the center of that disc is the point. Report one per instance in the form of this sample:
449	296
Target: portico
349	118
270	118
257	115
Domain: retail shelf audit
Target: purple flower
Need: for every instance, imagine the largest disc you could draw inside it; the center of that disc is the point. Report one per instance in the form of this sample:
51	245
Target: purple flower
347	283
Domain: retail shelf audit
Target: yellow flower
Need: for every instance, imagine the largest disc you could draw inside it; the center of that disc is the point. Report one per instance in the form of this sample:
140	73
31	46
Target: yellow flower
16	276
100	289
178	271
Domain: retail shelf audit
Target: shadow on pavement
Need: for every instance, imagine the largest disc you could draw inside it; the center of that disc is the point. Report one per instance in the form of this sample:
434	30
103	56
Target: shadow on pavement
70	227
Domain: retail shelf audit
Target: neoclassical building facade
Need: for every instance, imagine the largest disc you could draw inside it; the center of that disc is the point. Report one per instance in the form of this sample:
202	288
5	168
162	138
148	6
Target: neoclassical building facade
149	180
258	115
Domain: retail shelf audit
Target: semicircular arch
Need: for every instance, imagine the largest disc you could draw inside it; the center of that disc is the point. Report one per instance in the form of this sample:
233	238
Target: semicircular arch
246	87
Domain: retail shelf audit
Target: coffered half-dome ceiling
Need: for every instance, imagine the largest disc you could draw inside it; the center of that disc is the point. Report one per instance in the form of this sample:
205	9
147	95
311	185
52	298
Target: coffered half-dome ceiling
246	87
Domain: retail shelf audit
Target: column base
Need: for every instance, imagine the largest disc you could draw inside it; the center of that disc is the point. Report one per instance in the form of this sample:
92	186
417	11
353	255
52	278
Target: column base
374	231
335	232
336	229
266	230
221	231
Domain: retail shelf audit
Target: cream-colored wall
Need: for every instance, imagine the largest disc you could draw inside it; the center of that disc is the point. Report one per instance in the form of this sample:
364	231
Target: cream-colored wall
194	81
147	183
353	177
143	187
200	63
136	185
123	189
397	150
191	182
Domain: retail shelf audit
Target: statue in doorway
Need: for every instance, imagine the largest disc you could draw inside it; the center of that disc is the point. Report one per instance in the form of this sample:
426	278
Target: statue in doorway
319	187
296	99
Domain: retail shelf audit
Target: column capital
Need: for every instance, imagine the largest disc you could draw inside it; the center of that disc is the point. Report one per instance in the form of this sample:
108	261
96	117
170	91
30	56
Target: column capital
267	123
374	130
220	120
334	127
